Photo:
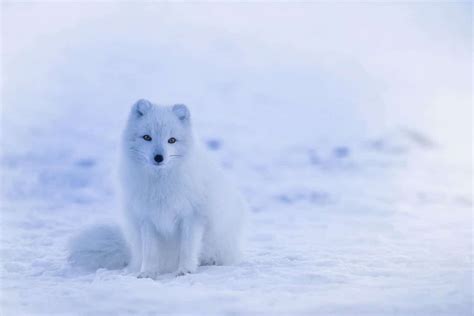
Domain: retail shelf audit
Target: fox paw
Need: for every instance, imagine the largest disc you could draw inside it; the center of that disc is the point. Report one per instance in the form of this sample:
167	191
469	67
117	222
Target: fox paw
147	275
209	262
182	272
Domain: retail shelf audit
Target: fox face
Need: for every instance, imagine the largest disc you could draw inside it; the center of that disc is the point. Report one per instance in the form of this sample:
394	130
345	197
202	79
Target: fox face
157	136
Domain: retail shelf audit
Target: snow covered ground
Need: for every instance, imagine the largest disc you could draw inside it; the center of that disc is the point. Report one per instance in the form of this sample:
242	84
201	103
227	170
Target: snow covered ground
347	126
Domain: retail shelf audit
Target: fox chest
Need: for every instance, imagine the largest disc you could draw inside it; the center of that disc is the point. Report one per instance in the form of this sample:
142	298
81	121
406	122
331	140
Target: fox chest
165	209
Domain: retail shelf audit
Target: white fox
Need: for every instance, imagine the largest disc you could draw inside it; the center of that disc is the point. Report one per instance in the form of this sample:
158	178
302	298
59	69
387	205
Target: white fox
180	211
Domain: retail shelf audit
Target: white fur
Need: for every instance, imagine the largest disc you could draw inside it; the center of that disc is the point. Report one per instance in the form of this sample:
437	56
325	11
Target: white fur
178	214
100	246
182	212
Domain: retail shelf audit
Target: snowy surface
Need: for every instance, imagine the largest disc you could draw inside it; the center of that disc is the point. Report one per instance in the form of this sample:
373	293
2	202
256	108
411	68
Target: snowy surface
346	126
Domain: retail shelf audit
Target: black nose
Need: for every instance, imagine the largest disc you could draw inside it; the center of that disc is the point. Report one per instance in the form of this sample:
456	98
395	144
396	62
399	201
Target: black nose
158	158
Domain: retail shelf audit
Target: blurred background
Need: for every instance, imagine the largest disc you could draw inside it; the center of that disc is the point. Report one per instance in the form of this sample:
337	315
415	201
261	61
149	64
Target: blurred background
348	126
318	71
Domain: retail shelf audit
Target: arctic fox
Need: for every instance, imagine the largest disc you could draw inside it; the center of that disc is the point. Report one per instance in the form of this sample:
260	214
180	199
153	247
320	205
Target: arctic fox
180	211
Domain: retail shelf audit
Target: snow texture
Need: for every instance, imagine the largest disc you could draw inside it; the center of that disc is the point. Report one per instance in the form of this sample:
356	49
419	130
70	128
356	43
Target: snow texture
347	126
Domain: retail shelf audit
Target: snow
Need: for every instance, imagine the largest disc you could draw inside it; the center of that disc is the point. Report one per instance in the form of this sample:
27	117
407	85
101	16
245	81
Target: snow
347	127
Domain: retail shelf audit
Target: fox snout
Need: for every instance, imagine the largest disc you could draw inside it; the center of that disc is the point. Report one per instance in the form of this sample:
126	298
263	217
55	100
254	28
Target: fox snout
158	158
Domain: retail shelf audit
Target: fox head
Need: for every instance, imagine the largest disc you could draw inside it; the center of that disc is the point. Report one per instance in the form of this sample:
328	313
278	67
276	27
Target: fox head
158	136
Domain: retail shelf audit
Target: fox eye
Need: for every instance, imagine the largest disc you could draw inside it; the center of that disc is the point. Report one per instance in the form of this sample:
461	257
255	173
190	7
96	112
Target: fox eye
147	138
172	140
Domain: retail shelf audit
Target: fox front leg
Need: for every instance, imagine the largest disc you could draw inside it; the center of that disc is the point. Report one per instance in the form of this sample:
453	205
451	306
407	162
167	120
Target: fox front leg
190	245
149	263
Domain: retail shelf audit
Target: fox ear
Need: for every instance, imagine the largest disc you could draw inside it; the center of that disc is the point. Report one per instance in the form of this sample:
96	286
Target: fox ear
141	107
181	112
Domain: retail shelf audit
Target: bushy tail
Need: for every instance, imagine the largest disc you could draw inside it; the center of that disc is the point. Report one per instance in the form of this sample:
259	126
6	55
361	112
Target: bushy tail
100	246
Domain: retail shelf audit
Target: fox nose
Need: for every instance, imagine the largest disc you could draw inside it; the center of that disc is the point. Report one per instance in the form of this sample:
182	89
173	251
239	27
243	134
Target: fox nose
158	158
